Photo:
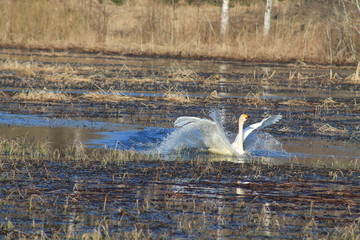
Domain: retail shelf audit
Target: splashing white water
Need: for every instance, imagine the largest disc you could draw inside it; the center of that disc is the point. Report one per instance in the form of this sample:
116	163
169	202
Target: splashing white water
198	135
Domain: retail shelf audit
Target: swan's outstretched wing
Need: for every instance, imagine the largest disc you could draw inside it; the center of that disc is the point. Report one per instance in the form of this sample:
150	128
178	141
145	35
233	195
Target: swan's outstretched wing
200	133
182	121
260	125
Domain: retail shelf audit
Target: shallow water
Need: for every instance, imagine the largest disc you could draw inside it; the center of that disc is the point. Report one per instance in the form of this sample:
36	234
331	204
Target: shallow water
65	132
300	181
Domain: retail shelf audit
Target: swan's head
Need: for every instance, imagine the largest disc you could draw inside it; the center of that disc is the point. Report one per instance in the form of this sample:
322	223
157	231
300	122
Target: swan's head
243	118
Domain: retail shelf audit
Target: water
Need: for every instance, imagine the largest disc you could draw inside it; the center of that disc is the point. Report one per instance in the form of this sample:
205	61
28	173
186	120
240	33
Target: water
299	180
65	132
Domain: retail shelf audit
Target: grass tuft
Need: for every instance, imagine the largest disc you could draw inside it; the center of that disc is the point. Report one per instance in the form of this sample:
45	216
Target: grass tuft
182	73
42	95
109	96
330	130
355	77
177	96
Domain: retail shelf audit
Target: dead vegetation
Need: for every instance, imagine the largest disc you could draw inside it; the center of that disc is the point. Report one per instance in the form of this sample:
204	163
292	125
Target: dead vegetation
330	103
177	72
42	96
178	96
330	130
355	77
319	32
295	102
109	96
48	72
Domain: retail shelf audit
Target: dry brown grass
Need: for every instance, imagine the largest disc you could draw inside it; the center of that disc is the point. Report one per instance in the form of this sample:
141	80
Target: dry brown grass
295	102
303	30
329	103
42	95
26	68
109	96
178	96
255	99
49	72
3	95
355	77
330	130
182	73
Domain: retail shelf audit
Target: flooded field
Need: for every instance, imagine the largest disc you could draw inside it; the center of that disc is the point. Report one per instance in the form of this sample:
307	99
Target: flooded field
79	134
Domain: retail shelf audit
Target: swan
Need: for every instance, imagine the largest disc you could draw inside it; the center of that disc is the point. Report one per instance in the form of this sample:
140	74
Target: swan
209	135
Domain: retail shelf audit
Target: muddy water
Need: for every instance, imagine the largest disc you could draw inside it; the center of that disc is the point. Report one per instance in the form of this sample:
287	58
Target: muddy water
305	186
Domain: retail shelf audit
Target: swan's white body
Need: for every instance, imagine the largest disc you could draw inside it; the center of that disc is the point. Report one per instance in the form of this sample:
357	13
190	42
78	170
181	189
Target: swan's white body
209	135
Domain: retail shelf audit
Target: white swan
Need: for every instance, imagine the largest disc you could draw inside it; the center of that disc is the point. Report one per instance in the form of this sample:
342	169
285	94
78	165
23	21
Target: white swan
208	135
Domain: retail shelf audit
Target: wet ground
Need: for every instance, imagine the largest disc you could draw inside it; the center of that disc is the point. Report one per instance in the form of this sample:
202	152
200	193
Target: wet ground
308	186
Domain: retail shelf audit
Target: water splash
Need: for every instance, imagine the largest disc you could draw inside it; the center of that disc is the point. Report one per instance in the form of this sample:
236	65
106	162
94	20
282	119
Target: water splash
138	139
257	144
264	144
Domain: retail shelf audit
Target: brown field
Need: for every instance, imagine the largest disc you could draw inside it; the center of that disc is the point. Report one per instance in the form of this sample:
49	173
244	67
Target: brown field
317	31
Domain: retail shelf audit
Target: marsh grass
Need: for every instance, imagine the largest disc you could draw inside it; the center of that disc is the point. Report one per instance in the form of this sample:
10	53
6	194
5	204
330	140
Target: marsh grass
3	95
295	102
32	67
42	96
330	130
65	76
178	96
256	98
355	77
49	72
109	96
178	72
23	147
329	103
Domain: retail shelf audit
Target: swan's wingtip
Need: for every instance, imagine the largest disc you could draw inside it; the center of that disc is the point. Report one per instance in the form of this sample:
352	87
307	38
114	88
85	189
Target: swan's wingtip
276	118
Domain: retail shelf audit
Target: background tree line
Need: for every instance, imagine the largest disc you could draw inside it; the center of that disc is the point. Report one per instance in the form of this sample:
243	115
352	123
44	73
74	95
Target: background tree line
313	30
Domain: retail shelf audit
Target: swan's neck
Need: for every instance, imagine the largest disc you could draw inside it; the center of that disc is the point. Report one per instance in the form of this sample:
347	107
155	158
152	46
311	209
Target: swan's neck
238	143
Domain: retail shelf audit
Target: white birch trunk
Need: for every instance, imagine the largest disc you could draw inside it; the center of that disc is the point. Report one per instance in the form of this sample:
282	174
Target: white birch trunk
224	18
267	17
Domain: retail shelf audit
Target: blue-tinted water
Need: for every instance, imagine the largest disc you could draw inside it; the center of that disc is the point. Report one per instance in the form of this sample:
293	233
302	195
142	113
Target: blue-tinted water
64	132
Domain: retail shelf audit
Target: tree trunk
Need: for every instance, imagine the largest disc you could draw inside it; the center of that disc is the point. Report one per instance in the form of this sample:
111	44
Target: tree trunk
267	17
224	18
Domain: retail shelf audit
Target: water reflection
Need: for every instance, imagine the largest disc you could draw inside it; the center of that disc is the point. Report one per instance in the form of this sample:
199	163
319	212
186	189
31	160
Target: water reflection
54	136
55	132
